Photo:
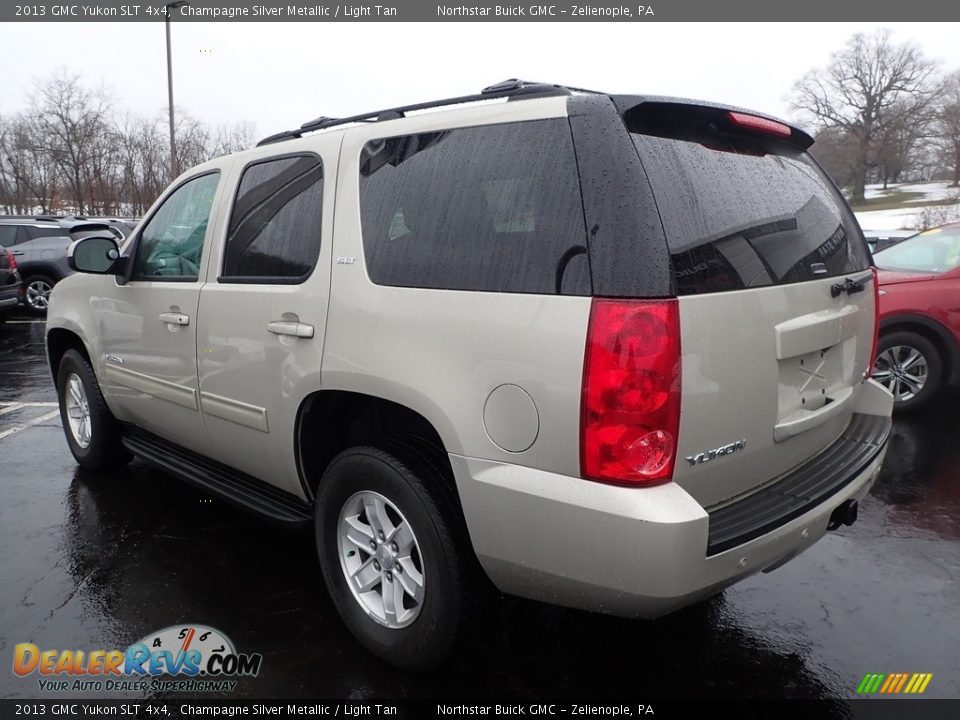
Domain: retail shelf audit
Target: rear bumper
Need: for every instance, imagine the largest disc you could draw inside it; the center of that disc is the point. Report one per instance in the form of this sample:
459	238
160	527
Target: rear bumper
623	551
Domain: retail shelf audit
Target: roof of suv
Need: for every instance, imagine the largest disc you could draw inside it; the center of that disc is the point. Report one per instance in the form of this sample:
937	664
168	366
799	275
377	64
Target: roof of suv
515	89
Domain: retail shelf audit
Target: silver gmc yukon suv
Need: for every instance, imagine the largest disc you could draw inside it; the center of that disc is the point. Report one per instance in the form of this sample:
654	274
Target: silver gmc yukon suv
610	352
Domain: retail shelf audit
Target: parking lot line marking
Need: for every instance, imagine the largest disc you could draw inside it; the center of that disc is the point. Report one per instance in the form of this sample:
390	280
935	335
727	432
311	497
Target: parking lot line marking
23	322
36	421
10	408
29	404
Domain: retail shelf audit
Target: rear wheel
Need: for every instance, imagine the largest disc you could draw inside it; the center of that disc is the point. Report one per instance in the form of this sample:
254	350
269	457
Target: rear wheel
393	555
91	430
38	289
910	367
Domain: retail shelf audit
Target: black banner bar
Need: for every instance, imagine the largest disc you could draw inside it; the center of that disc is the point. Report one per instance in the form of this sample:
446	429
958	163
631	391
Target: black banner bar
468	11
893	709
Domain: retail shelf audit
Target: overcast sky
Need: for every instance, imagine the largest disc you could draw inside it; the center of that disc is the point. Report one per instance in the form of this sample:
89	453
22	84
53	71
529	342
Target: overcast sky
278	75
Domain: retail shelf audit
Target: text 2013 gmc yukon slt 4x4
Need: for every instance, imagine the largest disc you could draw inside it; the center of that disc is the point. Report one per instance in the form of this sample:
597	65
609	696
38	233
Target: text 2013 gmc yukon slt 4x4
614	348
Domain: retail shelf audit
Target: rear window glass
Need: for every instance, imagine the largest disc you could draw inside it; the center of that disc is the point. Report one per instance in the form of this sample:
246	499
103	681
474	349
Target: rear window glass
743	211
493	208
933	251
43	232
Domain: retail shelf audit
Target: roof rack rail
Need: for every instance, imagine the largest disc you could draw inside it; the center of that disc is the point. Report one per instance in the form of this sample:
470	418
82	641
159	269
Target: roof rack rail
508	89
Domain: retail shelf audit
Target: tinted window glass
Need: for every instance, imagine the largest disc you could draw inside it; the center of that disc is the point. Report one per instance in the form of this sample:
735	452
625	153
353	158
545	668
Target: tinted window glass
743	211
933	251
8	235
171	244
42	232
275	225
494	208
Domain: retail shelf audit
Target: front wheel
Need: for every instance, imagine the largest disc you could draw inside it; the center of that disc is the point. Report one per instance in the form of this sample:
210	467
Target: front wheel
91	430
393	555
910	367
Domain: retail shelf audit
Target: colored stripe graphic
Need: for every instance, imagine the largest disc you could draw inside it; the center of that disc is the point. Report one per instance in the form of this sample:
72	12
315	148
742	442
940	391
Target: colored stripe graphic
894	683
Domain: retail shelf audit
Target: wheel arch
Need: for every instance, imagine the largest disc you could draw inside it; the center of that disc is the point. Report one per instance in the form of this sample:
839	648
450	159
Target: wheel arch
58	341
330	421
42	268
933	331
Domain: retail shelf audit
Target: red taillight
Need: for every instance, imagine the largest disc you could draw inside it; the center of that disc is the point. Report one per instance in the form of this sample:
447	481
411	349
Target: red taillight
759	124
630	408
876	323
12	261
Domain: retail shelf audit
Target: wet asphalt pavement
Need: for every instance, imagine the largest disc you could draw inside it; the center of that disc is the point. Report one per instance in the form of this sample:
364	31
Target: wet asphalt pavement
98	561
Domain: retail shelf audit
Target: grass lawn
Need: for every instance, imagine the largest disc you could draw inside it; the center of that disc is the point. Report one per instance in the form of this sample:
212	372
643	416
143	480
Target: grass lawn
899	200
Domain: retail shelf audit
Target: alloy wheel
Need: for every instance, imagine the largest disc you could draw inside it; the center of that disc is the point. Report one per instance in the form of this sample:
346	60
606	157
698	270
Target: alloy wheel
78	410
380	559
38	295
903	370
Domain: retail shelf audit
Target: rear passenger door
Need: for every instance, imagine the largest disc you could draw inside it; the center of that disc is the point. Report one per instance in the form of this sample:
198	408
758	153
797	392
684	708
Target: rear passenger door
262	312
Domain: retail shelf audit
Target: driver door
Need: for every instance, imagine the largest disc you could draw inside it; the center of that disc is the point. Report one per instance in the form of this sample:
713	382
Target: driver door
148	326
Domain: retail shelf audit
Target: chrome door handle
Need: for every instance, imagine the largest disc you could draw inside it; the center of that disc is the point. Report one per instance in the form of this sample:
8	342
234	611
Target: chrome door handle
291	328
19	252
174	318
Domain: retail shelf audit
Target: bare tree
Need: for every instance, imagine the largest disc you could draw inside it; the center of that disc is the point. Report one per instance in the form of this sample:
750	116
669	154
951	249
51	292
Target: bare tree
900	130
72	119
863	81
835	151
28	176
948	123
70	151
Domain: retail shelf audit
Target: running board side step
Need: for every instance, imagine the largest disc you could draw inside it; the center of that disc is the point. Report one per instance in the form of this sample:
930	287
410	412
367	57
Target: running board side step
234	487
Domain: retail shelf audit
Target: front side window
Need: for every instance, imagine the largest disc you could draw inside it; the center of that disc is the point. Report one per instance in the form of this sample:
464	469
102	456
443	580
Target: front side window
171	243
275	227
494	208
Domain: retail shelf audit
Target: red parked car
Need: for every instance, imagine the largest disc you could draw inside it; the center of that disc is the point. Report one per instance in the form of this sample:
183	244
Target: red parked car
919	350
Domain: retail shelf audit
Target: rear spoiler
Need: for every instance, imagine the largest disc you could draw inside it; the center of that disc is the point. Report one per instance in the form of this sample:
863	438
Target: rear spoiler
724	118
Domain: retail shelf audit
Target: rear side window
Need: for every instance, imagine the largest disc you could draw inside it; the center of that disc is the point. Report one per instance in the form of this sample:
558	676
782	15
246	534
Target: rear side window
42	232
274	233
741	211
494	208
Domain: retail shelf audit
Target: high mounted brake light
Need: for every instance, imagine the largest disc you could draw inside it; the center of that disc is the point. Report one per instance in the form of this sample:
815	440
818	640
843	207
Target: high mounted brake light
630	409
759	124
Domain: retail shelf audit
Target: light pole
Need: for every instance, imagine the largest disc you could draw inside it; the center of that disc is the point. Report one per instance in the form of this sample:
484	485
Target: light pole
174	170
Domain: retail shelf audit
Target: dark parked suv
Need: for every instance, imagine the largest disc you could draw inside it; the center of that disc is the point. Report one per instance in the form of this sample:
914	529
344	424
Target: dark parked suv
39	244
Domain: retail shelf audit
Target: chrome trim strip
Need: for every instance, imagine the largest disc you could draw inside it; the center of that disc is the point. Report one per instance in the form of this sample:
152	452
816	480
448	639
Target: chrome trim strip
163	389
234	411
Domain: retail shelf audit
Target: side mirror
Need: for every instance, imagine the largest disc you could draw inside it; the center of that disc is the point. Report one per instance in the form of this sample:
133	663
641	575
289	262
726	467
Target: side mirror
98	254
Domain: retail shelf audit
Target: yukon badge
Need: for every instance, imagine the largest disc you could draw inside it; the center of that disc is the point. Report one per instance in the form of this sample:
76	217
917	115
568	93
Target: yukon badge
718	452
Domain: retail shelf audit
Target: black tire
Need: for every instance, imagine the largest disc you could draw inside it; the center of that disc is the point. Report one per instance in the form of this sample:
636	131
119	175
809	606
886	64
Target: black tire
413	485
31	308
933	376
104	449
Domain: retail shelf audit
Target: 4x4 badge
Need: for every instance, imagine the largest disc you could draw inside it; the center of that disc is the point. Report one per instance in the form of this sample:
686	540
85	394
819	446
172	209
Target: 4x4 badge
718	452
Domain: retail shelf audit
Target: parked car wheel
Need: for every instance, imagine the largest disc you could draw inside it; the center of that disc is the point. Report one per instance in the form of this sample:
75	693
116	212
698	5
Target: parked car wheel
910	367
91	430
392	555
38	289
